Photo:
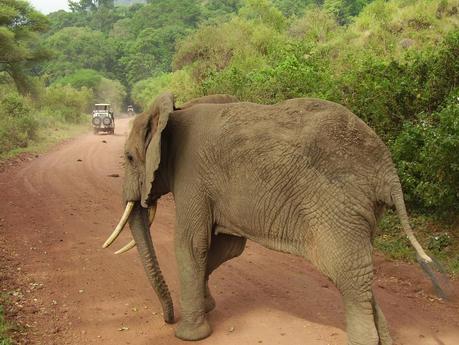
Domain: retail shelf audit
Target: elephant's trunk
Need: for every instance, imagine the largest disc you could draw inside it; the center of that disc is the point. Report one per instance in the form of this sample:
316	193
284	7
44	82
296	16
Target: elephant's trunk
138	222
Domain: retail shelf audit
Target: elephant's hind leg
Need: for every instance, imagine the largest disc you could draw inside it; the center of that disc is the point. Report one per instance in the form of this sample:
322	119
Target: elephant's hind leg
223	247
348	263
360	321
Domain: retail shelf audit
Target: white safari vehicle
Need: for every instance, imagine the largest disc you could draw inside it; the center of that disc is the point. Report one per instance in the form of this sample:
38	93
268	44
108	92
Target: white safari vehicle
103	119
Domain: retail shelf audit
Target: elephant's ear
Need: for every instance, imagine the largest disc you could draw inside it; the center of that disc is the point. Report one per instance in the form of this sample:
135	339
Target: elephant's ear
159	114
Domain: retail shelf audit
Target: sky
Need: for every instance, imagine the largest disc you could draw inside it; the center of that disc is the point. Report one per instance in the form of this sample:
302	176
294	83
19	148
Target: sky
47	6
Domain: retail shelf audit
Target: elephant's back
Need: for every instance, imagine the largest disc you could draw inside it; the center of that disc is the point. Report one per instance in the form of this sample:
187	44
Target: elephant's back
307	137
301	126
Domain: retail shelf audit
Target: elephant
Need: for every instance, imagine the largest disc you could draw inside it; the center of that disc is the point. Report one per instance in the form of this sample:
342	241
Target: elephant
304	176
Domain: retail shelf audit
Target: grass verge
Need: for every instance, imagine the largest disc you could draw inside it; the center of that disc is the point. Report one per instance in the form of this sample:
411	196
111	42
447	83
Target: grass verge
47	137
440	240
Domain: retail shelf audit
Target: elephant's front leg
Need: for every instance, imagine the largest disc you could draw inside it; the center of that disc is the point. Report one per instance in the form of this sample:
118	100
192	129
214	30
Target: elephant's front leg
191	245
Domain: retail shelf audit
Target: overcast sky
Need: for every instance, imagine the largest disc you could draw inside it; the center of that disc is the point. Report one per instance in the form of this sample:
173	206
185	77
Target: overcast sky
47	6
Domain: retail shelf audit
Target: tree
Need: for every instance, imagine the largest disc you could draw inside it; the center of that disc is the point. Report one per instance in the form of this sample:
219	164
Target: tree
294	7
77	48
81	78
20	44
159	13
343	10
151	53
90	5
263	11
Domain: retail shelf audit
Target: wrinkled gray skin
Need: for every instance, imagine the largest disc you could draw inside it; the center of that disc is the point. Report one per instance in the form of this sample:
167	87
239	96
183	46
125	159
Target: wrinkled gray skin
304	176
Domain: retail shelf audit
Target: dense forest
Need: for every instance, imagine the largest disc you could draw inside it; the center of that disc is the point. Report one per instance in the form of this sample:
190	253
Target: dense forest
394	63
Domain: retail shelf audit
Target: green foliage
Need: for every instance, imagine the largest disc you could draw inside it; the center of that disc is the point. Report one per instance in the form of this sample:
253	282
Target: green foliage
17	123
316	25
21	118
426	154
151	53
20	45
390	28
81	78
180	83
294	7
263	11
96	88
387	93
78	48
67	103
344	10
216	10
185	13
297	72
90	5
144	91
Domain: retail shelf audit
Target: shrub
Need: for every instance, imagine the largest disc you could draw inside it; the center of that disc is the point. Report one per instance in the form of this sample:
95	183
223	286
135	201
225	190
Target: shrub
380	92
297	73
146	90
81	78
17	123
180	83
426	155
67	103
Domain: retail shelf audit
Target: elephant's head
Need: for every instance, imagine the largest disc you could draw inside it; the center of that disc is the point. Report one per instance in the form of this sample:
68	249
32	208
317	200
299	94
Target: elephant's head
143	152
142	159
143	185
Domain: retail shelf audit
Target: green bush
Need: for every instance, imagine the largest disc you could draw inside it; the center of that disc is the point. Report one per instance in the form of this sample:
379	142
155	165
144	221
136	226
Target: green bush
426	152
67	103
297	73
17	123
146	90
180	83
380	92
81	78
21	119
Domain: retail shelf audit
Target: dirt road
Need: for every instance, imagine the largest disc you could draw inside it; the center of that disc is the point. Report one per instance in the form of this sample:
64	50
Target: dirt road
56	211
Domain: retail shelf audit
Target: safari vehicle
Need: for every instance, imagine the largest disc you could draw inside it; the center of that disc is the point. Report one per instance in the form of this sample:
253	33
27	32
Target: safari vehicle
130	109
103	119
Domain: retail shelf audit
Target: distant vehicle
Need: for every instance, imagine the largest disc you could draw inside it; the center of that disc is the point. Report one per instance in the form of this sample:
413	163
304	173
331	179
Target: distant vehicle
130	109
103	119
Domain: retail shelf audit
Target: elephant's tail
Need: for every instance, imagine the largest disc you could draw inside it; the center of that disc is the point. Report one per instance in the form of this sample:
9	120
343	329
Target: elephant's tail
399	203
428	264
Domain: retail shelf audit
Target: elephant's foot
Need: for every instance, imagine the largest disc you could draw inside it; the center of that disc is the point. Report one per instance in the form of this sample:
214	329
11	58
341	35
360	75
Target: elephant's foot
193	331
209	303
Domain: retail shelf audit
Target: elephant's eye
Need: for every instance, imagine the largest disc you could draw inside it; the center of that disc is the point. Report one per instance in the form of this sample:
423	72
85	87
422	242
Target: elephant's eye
129	157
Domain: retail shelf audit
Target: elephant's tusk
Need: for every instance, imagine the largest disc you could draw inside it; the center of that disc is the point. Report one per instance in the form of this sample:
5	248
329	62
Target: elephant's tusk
126	248
120	225
151	215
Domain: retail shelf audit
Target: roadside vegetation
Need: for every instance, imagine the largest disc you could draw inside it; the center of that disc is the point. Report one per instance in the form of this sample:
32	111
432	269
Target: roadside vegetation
394	63
4	328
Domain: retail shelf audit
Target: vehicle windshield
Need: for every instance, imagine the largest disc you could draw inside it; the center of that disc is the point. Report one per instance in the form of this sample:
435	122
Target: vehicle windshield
101	107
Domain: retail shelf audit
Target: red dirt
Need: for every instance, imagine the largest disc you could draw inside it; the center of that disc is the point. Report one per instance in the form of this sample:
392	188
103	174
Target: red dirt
56	211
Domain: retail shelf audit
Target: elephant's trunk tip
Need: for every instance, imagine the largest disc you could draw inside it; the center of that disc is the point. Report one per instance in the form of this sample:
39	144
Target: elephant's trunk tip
168	313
